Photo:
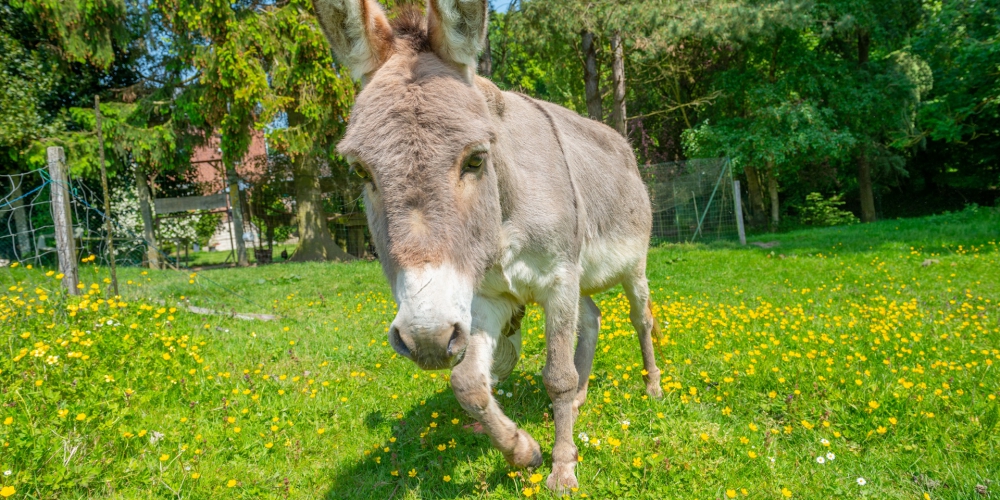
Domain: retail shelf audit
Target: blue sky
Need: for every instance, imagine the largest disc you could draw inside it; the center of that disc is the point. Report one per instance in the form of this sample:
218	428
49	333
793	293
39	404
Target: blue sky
500	5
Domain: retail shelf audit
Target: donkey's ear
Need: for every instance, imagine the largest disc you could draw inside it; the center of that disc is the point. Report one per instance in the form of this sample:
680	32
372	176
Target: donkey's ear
358	31
457	30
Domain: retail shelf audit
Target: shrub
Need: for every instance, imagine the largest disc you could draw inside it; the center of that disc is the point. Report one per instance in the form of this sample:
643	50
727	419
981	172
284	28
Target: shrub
826	212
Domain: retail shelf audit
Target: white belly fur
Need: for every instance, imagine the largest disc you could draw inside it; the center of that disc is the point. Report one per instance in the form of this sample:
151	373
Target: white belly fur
528	277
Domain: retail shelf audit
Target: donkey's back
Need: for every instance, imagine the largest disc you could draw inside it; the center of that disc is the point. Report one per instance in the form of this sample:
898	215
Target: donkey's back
580	178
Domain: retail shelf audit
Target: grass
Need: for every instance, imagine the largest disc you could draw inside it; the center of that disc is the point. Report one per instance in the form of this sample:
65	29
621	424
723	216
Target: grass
874	343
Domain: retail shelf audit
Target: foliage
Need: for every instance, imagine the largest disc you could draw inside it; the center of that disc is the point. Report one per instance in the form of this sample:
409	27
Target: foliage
818	211
127	219
887	378
26	80
206	226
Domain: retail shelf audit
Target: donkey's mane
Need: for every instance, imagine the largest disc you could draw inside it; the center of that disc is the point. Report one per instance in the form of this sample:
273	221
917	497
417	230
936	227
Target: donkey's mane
409	28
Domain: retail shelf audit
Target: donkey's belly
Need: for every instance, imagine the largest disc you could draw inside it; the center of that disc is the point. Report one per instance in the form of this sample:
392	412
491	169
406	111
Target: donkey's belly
604	263
529	278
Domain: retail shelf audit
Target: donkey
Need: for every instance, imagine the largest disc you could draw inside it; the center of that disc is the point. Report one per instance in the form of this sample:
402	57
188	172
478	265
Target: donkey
481	201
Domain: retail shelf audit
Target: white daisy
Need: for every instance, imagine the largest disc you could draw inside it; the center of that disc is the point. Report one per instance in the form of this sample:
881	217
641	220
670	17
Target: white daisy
861	481
820	460
830	456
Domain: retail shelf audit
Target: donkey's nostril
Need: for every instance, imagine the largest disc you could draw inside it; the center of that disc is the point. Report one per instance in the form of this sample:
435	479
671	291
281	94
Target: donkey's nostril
397	342
457	341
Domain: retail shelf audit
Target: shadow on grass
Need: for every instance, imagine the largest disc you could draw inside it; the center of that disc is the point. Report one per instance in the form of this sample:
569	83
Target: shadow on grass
414	448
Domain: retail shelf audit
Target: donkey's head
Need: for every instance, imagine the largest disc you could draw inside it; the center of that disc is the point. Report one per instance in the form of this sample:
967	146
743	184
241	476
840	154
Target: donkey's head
420	134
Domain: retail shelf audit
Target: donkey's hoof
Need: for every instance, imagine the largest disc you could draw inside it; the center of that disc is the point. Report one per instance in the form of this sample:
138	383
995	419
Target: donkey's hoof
562	478
654	391
526	454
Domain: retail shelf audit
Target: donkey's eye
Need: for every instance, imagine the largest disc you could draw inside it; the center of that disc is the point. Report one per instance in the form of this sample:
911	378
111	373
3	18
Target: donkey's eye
474	163
361	172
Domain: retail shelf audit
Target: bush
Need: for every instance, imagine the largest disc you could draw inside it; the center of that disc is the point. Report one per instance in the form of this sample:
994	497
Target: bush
826	212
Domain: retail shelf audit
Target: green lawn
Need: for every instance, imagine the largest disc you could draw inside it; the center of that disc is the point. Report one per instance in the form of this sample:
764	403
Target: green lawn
874	344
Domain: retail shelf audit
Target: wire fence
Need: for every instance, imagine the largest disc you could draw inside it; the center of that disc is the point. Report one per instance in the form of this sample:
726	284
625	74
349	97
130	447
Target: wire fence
692	201
27	230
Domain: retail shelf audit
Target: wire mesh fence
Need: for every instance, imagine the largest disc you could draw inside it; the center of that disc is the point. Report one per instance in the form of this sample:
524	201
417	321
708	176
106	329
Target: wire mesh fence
692	200
27	230
25	218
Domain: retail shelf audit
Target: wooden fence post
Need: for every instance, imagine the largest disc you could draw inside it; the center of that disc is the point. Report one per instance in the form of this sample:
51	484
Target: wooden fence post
107	196
62	219
737	199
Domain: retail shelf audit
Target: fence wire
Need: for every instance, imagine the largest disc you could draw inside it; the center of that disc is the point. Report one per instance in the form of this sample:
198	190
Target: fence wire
26	230
692	200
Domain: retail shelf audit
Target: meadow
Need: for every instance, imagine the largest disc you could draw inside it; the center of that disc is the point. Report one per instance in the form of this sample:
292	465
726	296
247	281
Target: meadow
849	362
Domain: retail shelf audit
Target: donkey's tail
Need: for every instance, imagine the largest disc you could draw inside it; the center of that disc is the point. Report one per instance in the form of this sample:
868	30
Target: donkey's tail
656	332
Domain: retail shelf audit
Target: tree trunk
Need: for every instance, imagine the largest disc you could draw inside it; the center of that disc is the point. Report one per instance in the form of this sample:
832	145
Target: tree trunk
772	189
23	249
590	77
865	188
757	216
486	60
145	210
315	242
864	47
866	191
618	82
236	205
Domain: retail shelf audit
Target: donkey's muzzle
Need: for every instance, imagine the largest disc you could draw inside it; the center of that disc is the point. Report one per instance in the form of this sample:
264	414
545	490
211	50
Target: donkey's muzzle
430	348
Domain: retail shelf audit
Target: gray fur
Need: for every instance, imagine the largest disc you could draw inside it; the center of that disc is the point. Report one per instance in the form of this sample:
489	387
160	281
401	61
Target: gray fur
557	213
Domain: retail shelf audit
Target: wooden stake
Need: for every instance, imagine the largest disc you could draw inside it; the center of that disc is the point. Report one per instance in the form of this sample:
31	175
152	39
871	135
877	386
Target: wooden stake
737	199
107	195
62	219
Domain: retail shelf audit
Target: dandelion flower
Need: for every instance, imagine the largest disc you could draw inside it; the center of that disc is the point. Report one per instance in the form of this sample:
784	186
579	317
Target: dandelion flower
7	491
730	493
81	416
535	478
446	479
231	483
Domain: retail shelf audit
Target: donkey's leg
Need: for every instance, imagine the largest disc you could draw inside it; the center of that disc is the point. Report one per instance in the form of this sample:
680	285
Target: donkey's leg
637	290
470	379
561	379
588	328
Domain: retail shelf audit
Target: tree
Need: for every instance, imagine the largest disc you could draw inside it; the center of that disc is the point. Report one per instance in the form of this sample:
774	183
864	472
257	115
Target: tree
855	26
262	64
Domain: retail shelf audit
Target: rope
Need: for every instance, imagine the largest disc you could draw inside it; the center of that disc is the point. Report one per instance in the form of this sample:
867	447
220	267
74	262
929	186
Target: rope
25	195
